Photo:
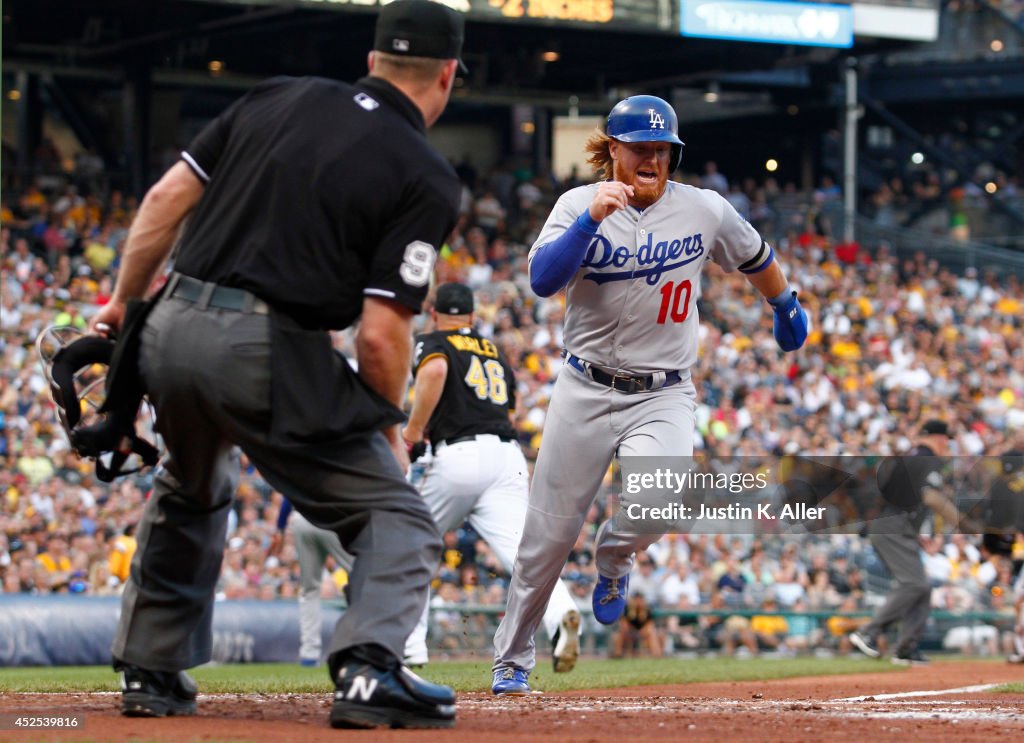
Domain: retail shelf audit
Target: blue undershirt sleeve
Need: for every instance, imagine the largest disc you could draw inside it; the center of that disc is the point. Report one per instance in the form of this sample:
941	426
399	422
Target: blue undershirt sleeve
555	262
283	514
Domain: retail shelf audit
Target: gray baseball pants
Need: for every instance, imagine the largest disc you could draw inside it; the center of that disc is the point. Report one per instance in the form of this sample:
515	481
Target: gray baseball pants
586	425
208	374
909	601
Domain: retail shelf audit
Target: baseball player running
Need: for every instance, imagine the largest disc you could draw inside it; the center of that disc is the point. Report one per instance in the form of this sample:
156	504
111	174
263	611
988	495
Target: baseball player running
629	251
464	391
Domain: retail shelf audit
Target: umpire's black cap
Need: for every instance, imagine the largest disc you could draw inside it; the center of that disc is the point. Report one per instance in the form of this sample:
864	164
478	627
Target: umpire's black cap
454	299
935	427
420	28
1012	461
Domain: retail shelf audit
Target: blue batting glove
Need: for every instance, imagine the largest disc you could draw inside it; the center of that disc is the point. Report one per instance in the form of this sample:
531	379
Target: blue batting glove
791	324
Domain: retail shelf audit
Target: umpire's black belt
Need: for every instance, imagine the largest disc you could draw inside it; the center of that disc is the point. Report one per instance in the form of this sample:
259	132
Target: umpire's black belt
627	383
460	439
207	294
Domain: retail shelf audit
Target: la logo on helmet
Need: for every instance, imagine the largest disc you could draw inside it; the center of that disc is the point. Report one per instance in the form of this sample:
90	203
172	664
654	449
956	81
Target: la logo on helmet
657	120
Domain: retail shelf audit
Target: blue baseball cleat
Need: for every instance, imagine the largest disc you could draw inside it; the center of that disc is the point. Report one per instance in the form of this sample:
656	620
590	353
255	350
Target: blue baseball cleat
510	682
610	598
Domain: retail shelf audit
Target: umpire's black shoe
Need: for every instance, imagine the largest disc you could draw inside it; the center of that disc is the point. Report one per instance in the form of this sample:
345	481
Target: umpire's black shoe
910	659
156	693
366	696
865	644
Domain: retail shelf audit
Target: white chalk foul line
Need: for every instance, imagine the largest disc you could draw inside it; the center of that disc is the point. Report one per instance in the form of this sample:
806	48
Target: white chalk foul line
881	707
909	694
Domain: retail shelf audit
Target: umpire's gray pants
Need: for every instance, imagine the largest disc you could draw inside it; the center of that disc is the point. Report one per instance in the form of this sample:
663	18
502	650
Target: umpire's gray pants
586	425
909	601
208	374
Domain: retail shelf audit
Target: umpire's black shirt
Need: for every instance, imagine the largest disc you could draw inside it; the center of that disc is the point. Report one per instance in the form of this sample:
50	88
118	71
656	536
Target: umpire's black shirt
902	481
318	193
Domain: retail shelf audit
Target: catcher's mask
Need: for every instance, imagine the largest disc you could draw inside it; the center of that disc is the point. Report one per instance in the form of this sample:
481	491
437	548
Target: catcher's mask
69	360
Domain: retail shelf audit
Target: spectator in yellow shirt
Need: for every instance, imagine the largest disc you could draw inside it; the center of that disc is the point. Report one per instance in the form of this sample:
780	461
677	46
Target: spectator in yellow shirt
845	348
34	464
121	553
770	628
70	316
55	561
840	625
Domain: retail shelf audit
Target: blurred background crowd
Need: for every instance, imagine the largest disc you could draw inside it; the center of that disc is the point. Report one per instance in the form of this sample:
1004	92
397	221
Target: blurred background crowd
897	338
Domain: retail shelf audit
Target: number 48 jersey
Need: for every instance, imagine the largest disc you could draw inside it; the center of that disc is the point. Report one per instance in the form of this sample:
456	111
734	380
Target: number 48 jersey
479	390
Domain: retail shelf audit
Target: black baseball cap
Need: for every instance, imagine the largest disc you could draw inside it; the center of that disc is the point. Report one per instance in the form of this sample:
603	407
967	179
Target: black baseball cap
420	28
935	427
454	299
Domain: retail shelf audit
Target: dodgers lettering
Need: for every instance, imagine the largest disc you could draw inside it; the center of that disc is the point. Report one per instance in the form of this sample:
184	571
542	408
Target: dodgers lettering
607	256
652	258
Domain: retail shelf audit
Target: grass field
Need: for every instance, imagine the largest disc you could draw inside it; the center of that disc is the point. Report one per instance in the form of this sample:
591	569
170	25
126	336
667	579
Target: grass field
1011	688
279	678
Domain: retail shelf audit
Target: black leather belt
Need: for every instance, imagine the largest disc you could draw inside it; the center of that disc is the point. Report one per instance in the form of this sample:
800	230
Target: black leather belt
460	439
207	294
627	383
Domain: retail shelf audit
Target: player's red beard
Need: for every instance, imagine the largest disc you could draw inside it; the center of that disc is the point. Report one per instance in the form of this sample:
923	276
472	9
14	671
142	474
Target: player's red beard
644	194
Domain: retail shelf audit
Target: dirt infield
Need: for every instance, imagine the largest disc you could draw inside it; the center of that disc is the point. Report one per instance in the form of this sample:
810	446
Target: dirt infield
944	702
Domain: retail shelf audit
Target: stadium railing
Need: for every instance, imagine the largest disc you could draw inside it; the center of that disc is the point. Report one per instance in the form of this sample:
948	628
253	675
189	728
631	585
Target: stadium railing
473	631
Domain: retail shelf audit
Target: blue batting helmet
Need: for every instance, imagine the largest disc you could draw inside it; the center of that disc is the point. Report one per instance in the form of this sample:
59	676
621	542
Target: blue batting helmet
646	118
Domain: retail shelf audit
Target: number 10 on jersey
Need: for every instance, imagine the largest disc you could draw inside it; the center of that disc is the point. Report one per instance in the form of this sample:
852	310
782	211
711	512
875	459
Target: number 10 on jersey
675	301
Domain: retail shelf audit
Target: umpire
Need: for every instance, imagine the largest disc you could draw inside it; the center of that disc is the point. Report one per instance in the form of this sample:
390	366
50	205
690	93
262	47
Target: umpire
910	486
311	203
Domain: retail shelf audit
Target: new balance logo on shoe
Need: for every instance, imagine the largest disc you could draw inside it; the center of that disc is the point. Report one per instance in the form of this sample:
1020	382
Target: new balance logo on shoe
361	687
367	697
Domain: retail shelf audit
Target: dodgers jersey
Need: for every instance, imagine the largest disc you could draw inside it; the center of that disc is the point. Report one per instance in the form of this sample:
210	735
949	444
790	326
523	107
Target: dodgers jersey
632	304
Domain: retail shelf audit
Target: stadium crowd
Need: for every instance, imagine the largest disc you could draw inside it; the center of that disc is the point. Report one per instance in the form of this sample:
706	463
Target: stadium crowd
895	341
